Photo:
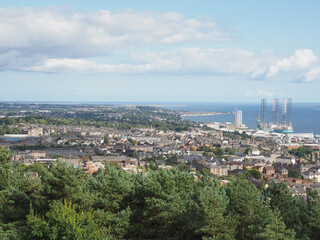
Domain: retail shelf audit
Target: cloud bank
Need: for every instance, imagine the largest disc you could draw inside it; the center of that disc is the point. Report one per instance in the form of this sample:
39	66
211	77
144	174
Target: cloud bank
261	65
59	33
60	41
179	61
301	60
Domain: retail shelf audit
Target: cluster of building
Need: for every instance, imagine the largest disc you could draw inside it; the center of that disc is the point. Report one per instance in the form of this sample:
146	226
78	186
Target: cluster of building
90	148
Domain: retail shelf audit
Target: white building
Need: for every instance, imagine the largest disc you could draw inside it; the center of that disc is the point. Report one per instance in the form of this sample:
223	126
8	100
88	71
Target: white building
312	174
239	118
285	160
255	152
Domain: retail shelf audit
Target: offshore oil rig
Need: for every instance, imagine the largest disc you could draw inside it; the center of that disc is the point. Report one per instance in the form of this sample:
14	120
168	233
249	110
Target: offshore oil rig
283	125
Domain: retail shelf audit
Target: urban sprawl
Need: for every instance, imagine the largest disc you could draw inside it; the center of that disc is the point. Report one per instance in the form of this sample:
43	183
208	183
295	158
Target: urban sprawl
144	138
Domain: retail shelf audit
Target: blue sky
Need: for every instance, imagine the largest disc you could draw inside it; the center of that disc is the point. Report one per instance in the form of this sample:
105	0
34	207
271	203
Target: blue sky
205	50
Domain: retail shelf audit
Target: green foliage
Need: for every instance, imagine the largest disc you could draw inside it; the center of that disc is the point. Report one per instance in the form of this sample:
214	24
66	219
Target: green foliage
133	154
15	196
132	141
276	229
5	157
313	206
66	203
64	221
29	147
7	129
293	173
300	152
111	189
106	140
63	182
170	205
121	118
218	151
252	215
291	209
231	151
40	169
153	166
205	149
56	156
253	173
171	160
215	150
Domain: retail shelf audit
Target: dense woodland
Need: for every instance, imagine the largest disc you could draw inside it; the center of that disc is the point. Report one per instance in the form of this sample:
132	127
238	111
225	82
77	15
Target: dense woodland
66	203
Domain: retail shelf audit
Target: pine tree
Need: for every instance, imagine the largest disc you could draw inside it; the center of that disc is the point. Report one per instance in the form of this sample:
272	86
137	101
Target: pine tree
276	229
64	221
291	208
110	190
5	157
313	202
251	213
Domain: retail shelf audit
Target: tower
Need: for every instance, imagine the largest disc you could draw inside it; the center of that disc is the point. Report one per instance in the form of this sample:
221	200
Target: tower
239	117
264	112
235	116
275	106
290	112
284	111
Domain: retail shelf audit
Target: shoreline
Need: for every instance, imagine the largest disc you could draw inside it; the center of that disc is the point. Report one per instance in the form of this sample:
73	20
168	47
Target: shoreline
197	114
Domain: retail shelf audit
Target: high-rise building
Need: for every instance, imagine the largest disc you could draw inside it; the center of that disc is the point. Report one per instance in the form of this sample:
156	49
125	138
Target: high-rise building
264	120
239	118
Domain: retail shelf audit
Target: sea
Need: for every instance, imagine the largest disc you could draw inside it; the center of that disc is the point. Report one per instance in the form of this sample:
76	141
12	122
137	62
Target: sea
305	116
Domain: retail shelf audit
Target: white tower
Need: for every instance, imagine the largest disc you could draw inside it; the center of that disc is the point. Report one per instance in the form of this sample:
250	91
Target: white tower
239	118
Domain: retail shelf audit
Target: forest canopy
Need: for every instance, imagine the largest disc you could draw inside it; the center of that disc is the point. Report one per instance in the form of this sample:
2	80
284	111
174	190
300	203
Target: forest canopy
62	202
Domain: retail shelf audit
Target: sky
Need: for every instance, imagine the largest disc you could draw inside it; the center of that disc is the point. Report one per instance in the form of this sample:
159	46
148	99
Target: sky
159	51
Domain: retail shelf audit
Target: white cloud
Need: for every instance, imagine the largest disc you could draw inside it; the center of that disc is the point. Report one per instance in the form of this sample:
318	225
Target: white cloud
67	65
301	60
179	61
57	33
312	75
183	61
259	93
206	61
57	40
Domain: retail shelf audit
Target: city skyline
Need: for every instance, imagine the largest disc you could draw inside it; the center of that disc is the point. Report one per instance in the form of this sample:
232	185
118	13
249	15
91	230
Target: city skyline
204	51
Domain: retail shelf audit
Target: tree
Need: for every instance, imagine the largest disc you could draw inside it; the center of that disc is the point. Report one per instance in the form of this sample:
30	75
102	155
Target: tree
251	213
64	221
230	151
313	203
15	197
300	152
208	211
65	183
111	190
291	209
276	229
5	157
106	140
253	173
293	173
219	151
171	205
66	203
